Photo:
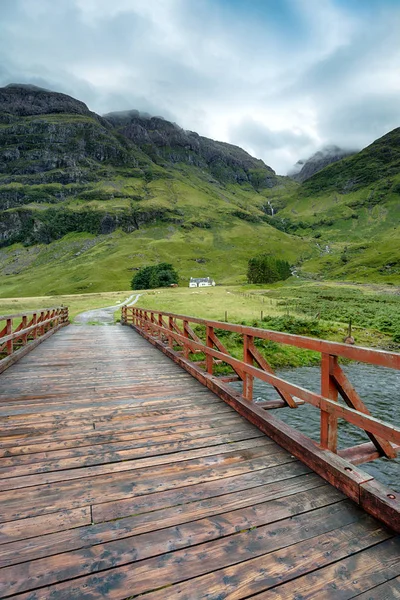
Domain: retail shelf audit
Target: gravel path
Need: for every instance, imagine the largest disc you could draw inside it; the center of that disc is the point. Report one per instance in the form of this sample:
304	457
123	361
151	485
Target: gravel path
103	316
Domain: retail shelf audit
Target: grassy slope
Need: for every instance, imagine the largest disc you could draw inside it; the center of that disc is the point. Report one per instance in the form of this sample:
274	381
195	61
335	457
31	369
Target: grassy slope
221	226
353	207
67	266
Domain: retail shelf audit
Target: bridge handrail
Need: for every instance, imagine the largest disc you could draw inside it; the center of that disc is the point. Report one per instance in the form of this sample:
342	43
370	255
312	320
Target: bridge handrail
385	437
16	339
30	312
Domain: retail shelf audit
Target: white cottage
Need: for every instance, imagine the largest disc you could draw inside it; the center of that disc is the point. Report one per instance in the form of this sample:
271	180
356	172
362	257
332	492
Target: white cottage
201	282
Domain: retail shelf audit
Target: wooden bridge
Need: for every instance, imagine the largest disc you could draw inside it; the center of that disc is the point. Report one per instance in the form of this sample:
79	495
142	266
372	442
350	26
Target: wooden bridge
121	475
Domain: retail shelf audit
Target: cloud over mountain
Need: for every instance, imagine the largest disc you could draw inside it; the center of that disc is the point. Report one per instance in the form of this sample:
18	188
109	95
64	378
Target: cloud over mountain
279	77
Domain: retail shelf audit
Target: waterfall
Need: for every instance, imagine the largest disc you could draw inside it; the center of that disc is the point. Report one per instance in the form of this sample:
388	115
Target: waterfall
271	207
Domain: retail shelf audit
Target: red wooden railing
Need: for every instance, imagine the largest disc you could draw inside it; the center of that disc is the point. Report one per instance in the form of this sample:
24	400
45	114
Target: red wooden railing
174	335
20	333
176	330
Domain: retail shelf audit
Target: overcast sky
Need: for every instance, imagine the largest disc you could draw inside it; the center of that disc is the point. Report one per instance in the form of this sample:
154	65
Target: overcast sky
281	78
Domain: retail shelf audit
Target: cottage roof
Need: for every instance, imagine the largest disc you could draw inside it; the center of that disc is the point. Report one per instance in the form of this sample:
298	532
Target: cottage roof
200	279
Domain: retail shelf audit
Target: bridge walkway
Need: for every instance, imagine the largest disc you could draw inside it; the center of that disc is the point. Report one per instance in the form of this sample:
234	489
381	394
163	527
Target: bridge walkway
121	476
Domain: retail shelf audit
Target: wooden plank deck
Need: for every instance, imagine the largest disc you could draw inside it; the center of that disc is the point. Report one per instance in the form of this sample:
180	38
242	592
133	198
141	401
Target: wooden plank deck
122	476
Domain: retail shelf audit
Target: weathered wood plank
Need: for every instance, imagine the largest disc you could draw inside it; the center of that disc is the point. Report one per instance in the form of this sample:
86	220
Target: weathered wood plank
187	430
347	577
42	499
122	463
27	528
113	452
390	590
107	511
258	574
211	522
170	567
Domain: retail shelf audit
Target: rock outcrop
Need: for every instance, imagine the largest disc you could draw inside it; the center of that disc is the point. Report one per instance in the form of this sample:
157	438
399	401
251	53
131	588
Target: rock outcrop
26	100
165	142
65	169
306	168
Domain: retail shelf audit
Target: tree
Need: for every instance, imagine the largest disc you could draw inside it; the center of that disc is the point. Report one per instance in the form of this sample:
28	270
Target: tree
161	275
266	269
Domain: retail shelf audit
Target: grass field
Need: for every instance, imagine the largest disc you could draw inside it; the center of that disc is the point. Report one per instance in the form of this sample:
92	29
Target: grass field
316	309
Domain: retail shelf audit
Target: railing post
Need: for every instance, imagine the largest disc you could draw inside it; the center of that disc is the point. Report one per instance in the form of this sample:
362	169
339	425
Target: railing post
41	329
24	337
123	315
329	422
160	323
10	343
34	322
186	348
209	344
248	359
171	328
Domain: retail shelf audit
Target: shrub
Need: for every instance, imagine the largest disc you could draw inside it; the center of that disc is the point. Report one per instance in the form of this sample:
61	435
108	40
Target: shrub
161	275
266	269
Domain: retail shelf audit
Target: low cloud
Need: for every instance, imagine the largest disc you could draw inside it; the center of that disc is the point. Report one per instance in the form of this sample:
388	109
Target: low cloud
281	146
280	79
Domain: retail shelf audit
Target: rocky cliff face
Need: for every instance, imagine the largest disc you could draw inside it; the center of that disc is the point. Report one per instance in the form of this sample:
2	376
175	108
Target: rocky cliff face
165	142
48	138
64	169
306	168
26	100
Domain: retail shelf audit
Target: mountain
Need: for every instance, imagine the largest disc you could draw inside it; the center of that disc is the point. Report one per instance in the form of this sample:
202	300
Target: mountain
26	100
352	210
306	168
167	143
86	199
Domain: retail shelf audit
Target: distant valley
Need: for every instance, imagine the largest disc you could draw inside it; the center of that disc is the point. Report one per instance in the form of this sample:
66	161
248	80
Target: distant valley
85	200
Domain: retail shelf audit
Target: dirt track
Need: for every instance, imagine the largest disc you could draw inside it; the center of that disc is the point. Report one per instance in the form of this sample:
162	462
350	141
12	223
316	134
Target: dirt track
103	316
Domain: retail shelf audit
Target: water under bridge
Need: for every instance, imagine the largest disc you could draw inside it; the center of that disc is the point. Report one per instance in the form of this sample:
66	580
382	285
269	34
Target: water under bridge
122	474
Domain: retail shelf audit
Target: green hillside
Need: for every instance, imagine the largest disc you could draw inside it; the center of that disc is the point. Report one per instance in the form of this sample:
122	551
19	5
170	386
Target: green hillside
87	200
351	212
83	206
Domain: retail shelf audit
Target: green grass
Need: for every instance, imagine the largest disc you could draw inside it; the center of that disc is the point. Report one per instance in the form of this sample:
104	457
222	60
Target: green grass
76	303
302	308
340	224
83	263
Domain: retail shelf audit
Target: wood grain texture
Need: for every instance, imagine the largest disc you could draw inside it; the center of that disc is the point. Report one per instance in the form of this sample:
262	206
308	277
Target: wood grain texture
120	474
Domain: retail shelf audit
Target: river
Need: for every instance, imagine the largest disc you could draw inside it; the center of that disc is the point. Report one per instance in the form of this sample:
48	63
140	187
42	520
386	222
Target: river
378	387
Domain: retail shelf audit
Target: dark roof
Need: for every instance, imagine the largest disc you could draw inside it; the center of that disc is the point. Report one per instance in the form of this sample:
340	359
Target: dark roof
199	279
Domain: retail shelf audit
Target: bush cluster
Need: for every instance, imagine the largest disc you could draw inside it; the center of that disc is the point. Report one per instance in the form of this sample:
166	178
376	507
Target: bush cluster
267	269
161	275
